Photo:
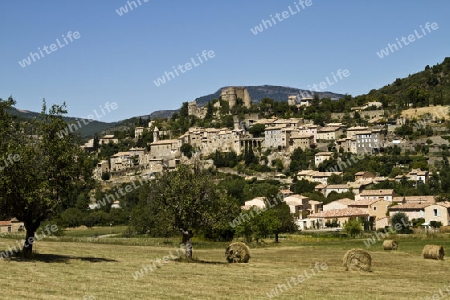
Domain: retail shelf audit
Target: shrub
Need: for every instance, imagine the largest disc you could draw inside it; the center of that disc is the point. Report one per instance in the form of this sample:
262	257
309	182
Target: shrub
352	227
435	224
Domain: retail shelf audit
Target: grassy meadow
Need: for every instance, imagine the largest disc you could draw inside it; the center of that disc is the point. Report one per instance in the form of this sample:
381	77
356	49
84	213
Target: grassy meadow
80	265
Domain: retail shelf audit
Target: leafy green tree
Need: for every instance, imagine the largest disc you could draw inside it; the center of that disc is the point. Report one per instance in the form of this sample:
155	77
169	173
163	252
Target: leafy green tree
51	168
96	142
249	156
400	222
335	179
235	188
353	227
257	130
285	221
187	150
193	201
278	164
184	110
224	159
106	176
404	130
299	160
303	186
72	217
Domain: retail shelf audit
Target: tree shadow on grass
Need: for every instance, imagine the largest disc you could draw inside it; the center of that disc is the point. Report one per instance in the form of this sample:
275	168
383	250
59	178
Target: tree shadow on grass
56	258
200	261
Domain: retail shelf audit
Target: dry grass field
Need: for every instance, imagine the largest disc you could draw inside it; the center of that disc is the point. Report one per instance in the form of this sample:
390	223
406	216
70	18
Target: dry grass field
437	111
99	270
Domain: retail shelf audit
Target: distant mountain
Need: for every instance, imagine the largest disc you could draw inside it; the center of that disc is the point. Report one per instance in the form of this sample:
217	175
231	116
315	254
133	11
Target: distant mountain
87	130
278	93
257	93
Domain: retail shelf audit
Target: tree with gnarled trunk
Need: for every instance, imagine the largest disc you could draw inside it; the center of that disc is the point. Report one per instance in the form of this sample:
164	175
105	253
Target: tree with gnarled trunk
50	169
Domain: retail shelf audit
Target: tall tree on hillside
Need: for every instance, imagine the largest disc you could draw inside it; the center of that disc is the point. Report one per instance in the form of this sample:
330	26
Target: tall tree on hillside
50	169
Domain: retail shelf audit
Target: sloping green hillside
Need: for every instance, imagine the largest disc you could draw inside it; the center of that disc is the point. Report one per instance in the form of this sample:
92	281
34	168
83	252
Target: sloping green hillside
428	87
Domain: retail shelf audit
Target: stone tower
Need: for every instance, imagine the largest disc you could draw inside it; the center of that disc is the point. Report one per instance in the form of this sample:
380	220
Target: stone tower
192	108
231	94
155	134
292	100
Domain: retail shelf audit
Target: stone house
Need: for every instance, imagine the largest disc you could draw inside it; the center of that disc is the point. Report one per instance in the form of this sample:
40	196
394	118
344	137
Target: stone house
342	215
376	208
309	130
121	161
275	137
298	140
164	149
386	194
338	204
412	210
439	212
321	157
338	188
102	167
11	226
363	175
329	133
316	176
138	132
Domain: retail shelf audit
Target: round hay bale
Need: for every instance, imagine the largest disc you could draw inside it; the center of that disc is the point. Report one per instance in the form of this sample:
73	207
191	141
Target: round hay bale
357	260
237	253
390	245
433	252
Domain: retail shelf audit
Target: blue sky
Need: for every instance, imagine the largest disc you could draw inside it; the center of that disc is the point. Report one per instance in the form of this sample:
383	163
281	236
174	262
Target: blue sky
118	58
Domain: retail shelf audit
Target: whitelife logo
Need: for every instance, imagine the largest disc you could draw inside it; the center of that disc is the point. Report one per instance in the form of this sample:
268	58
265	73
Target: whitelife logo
187	66
411	38
8	162
124	9
48	50
266	24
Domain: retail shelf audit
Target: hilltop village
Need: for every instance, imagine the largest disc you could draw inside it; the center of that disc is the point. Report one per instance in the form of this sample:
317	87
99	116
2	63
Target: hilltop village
368	161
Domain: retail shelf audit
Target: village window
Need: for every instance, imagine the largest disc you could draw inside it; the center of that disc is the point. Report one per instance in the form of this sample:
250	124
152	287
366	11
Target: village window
9	228
435	212
374	208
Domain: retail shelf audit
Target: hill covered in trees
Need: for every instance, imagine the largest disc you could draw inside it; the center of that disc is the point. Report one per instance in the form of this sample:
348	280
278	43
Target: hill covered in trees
428	87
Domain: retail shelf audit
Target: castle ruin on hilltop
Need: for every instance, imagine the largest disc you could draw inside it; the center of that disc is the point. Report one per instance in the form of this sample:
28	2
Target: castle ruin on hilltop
229	94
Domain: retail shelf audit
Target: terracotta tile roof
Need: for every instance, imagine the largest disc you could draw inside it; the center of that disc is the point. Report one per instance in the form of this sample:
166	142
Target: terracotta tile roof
408	206
337	186
314	202
339	213
423	199
444	204
164	142
296	135
324	154
345	201
365	202
377	192
299	196
5	223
